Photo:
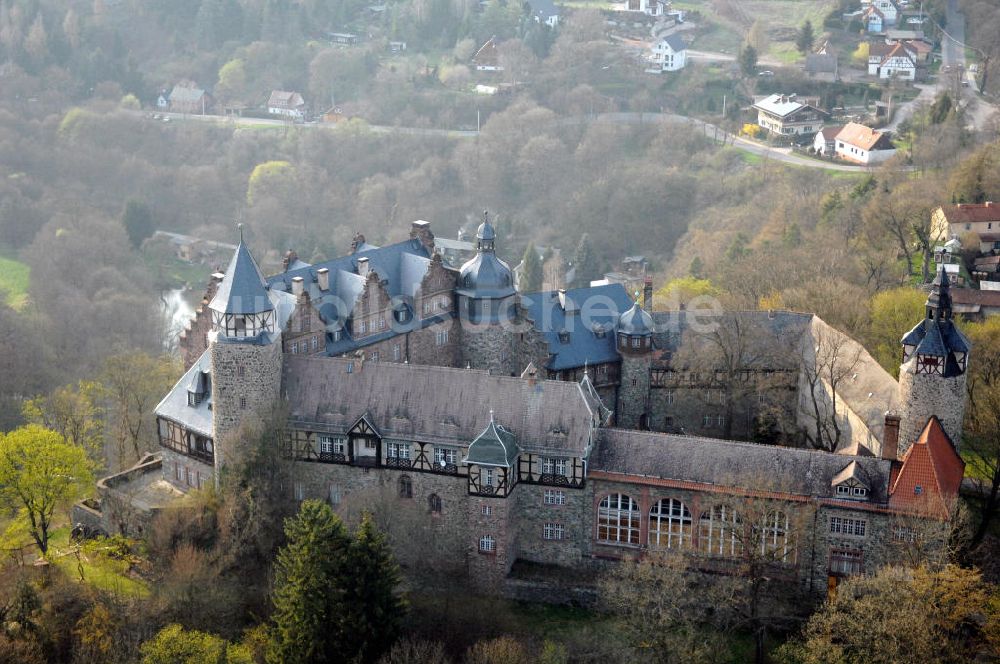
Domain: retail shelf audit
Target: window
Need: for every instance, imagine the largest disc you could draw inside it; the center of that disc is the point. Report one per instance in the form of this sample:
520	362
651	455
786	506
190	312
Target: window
487	510
427	307
554	497
374	356
295	347
904	534
334	494
774	537
487	544
553	466
381	323
441	337
669	421
405	487
846	562
717	532
315	343
444	456
635	342
243	403
720	421
362	328
488	476
370	444
241	371
396	353
178	472
300	491
859	492
706	420
670	524
397	451
554	531
618	520
434	503
845	526
326	444
670	397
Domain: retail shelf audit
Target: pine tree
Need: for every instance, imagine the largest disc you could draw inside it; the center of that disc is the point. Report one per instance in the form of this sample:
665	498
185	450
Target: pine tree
376	607
531	271
585	262
138	221
805	39
310	597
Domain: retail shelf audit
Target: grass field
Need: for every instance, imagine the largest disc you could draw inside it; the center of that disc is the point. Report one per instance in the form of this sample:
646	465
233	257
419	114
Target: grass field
97	569
13	282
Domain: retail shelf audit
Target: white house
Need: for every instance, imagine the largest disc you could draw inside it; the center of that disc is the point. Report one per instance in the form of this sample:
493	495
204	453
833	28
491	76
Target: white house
544	12
648	7
897	62
890	12
825	141
668	54
785	114
287	104
863	145
873	19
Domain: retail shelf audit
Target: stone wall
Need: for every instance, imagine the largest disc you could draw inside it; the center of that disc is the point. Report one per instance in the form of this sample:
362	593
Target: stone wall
923	395
489	347
185	472
246	380
633	392
533	513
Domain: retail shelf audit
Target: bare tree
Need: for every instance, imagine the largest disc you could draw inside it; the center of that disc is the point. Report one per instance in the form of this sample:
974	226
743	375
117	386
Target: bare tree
825	365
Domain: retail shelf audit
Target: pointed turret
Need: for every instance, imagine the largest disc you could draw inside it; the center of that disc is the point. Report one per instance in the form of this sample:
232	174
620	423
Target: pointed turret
242	307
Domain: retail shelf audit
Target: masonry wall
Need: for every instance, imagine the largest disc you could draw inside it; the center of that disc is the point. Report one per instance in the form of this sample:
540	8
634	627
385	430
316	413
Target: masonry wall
246	381
489	347
185	472
633	392
533	513
923	395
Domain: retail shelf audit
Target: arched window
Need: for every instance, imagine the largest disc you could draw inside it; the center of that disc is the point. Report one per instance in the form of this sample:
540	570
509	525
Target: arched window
670	524
434	502
618	520
717	532
774	539
405	487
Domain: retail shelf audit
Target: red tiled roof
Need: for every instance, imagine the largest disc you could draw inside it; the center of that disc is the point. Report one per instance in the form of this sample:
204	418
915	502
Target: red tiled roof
830	133
864	137
931	474
898	51
971	212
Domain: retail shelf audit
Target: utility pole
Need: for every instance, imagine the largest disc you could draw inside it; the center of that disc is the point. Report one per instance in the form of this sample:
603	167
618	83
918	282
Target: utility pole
723	106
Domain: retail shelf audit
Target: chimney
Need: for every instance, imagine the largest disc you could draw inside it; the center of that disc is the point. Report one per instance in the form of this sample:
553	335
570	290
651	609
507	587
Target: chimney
647	294
363	266
562	298
289	259
323	278
298	286
890	438
421	230
359	240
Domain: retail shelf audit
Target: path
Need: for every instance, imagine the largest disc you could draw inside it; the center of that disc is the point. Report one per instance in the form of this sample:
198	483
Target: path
715	56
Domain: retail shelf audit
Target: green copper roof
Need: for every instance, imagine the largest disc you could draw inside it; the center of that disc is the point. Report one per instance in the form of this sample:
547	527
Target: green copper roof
495	446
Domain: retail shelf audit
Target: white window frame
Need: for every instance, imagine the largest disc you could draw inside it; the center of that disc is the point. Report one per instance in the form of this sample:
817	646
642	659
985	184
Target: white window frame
487	544
554	531
670	524
446	454
618	515
554	497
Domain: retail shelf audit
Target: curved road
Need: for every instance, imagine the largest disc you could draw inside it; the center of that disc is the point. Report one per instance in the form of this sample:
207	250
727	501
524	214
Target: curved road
782	155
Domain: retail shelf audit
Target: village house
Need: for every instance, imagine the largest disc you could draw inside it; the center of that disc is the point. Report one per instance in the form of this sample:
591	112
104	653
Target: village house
873	19
861	144
487	58
544	12
976	303
286	104
823	65
647	7
894	61
788	115
668	54
982	219
888	9
824	143
189	99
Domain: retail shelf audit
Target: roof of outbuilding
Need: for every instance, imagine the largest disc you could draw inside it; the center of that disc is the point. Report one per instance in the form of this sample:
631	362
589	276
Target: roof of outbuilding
724	463
439	404
590	323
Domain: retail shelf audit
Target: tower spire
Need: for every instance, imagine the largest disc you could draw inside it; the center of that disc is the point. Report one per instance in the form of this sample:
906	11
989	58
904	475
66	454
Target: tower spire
939	299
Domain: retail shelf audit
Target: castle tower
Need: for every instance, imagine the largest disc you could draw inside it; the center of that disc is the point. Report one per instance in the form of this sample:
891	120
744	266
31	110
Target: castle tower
635	345
245	348
932	375
486	305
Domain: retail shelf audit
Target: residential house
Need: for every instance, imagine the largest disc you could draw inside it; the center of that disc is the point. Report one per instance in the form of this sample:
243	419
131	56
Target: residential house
954	221
873	19
919	49
788	115
544	12
163	100
343	38
822	63
949	252
861	144
824	143
397	46
975	302
189	99
487	58
668	54
648	7
892	61
287	104
888	9
985	268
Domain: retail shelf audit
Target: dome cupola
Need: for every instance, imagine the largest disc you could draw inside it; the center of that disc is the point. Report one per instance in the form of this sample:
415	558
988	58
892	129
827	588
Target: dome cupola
635	330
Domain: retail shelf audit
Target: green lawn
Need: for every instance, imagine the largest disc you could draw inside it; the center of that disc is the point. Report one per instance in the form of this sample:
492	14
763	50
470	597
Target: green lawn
13	282
99	569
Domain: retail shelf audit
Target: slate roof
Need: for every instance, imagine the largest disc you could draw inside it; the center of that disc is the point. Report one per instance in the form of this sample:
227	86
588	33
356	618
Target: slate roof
285	99
495	446
543	9
636	322
972	297
183	94
243	290
594	308
724	463
175	406
821	63
436	404
939	336
675	42
485	275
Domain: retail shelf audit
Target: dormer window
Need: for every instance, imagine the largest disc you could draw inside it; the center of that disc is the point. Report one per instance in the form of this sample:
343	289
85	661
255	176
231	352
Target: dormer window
195	398
563	336
852	492
929	364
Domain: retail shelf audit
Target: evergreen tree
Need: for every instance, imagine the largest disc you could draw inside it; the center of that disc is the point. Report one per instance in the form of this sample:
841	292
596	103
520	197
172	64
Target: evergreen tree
697	268
138	221
805	39
531	271
748	60
376	608
310	598
585	262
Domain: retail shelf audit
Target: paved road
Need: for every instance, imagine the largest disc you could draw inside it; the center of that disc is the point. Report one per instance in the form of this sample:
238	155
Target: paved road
782	155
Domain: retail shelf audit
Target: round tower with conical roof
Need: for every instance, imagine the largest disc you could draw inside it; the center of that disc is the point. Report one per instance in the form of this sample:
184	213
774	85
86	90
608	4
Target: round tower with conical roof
245	348
635	345
487	305
933	373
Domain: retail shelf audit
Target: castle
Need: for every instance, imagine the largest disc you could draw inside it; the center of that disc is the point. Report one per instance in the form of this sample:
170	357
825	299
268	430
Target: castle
567	427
